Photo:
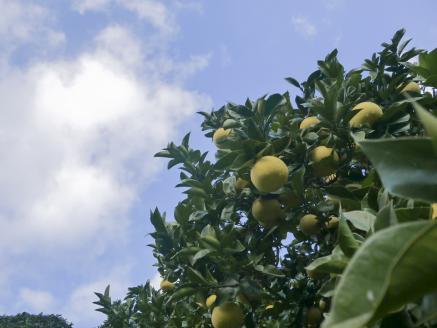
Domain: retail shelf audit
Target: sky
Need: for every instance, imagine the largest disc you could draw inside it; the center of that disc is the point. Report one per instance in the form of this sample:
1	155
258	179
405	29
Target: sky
91	89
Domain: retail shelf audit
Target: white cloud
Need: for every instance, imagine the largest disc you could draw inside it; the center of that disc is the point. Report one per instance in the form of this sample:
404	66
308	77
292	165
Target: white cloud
304	27
156	280
95	5
333	4
27	22
153	11
77	138
37	300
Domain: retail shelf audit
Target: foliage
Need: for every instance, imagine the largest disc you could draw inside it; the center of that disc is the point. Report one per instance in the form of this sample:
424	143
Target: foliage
26	320
374	267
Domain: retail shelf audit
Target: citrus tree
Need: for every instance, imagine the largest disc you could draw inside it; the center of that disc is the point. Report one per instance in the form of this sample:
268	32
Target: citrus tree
26	320
317	210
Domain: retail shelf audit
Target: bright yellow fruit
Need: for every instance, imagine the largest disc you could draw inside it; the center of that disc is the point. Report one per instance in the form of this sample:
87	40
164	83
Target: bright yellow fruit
332	223
269	174
290	199
267	211
309	224
166	285
434	211
219	135
323	169
412	87
369	113
309	122
241	184
227	315
314	316
211	300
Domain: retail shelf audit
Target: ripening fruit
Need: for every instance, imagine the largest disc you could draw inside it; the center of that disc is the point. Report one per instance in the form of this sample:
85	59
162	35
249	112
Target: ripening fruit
332	223
323	305
241	184
269	174
219	135
166	285
369	114
412	87
314	316
290	199
227	315
434	211
267	211
308	224
211	300
322	169
309	122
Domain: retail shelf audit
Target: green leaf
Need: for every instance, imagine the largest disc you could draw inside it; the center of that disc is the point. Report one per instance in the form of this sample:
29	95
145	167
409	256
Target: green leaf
407	166
399	265
360	219
196	276
182	293
429	121
293	82
386	217
333	263
200	254
346	240
269	270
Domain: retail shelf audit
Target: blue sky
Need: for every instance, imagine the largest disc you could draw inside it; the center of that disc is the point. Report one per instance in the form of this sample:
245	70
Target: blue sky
91	89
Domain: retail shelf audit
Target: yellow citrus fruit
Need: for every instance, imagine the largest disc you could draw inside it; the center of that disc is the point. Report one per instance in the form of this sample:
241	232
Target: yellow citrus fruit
309	122
211	300
267	211
166	285
314	316
434	211
322	169
227	315
332	223
369	113
412	87
219	135
309	224
290	199
241	184
269	174
322	305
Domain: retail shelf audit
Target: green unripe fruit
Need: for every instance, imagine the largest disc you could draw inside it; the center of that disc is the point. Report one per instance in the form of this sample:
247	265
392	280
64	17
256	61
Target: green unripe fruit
269	174
309	224
267	212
